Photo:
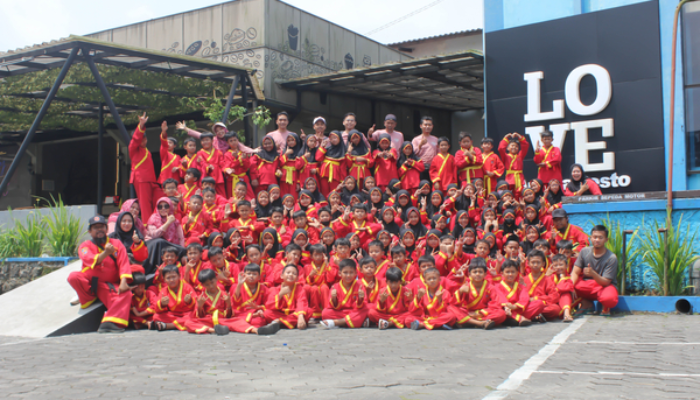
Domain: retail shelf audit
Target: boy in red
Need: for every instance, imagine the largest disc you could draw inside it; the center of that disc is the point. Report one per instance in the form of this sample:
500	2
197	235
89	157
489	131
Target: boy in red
492	167
194	266
430	307
365	231
249	298
226	272
514	298
394	302
265	165
319	278
541	287
468	160
169	161
213	160
548	159
346	303
141	311
189	188
443	170
143	174
250	229
196	225
375	249
410	168
236	166
287	303
384	162
176	302
409	271
212	304
369	281
476	301
513	149
565	286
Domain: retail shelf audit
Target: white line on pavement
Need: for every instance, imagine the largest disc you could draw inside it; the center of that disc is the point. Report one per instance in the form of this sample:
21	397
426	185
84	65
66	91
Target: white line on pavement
665	375
523	373
642	343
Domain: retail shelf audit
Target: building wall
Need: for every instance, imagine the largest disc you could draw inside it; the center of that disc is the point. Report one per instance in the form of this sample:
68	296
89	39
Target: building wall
446	44
19	189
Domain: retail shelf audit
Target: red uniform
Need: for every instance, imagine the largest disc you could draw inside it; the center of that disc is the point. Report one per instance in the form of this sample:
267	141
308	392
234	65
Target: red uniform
409	173
371	293
434	311
342	228
491	163
359	169
468	167
347	305
264	171
193	277
250	301
240	166
215	307
514	165
141	304
108	275
318	286
518	296
572	233
250	229
545	290
290	176
187	192
565	287
332	173
213	160
230	268
552	164
168	161
143	174
385	169
482	303
200	225
193	162
177	311
395	309
443	171
287	308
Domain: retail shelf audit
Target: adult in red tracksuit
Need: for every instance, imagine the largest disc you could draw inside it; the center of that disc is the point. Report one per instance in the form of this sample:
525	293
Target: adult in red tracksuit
143	176
104	276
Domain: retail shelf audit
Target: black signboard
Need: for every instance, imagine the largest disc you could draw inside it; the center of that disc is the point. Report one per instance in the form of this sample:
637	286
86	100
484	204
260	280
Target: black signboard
594	80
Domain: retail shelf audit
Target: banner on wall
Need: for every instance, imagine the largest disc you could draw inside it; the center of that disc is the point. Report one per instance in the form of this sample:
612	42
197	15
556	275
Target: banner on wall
594	81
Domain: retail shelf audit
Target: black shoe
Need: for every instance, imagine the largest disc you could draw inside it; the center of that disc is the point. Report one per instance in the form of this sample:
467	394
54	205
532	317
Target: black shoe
270	329
109	327
221	330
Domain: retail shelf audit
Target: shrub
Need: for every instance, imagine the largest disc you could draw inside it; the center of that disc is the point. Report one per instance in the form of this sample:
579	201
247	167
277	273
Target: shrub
64	229
615	244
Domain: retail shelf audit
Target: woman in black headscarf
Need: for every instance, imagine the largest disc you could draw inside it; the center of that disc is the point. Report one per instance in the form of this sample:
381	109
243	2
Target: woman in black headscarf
580	184
124	231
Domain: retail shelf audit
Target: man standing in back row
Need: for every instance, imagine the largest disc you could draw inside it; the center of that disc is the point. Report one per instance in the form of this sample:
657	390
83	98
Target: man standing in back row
390	123
425	145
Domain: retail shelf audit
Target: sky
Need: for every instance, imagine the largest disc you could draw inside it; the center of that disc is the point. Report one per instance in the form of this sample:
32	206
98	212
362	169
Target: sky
30	22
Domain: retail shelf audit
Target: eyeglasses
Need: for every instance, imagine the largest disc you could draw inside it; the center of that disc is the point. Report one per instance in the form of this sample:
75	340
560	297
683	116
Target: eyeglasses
163	206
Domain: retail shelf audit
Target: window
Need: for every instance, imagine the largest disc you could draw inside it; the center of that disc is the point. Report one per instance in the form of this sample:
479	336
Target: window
691	58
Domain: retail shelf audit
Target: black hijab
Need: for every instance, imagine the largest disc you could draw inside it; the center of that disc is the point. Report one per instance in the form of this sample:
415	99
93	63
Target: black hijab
308	194
316	194
404	209
391	227
268	156
278	201
298	150
260	211
431	209
361	148
419	230
338	150
402	157
345	194
276	247
379	205
458	229
126	237
311	158
429	250
469	248
574	186
329	248
409	249
554	198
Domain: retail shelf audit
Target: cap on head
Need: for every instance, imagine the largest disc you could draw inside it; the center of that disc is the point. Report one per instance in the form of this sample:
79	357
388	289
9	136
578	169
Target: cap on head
320	119
221	124
96	220
559	213
390	117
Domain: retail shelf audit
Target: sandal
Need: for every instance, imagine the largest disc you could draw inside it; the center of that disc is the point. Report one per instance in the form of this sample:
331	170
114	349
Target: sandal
605	312
160	326
489	324
584	311
383	324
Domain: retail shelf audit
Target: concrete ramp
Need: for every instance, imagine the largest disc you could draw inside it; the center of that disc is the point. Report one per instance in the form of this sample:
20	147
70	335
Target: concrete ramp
42	308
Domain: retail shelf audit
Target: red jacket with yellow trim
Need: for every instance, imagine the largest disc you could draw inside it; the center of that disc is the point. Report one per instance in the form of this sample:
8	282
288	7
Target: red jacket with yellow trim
543	288
293	303
112	269
141	161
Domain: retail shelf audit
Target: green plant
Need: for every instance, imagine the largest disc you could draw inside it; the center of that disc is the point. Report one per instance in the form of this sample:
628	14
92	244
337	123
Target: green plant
615	244
9	247
30	235
64	229
680	256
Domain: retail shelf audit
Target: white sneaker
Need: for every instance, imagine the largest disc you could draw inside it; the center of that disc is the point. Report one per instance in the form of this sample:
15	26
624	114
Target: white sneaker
383	324
75	301
328	324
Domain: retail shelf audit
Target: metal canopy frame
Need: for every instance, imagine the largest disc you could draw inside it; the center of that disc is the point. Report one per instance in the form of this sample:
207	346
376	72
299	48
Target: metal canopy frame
64	53
453	82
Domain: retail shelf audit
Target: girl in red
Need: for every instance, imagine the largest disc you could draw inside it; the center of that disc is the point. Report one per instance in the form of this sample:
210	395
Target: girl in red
346	302
169	161
580	184
468	159
311	184
265	165
288	173
443	170
236	166
307	165
358	157
554	195
213	160
430	307
513	149
514	298
175	302
384	160
409	167
287	303
332	159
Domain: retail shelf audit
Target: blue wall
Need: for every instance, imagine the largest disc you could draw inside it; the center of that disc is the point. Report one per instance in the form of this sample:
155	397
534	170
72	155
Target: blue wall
504	14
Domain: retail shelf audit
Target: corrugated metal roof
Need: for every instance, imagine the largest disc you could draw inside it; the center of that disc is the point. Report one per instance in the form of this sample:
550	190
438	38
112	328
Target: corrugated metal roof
459	33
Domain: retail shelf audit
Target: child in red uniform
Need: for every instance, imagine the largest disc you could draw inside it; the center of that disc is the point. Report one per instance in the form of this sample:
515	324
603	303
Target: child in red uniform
346	303
492	166
410	167
476	301
192	159
394	302
143	175
384	160
193	266
319	278
513	149
212	305
358	157
366	231
333	164
564	284
168	257
288	172
169	161
514	298
308	163
468	160
250	229
369	281
141	311
236	166
248	303
443	170
176	301
226	271
265	165
287	303
430	306
189	188
540	287
196	225
548	159
213	161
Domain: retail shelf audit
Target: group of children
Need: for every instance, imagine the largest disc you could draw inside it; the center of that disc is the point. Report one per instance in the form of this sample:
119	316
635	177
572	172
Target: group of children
324	232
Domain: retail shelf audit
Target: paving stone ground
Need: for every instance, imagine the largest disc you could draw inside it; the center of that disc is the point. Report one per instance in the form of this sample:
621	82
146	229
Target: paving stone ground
364	363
